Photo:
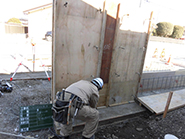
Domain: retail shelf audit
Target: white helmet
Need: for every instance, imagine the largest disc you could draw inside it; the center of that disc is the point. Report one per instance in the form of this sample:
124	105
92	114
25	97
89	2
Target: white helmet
98	82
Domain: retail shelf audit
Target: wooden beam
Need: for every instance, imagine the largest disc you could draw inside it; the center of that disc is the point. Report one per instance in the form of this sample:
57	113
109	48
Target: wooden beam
145	47
53	51
108	43
104	18
20	136
115	34
167	104
41	9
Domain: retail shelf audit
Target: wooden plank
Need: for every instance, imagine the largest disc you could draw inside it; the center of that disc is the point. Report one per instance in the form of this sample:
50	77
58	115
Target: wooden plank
144	55
104	18
167	104
157	103
107	49
53	50
14	135
109	40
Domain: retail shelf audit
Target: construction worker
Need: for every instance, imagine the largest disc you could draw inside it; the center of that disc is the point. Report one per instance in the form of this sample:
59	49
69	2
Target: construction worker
88	93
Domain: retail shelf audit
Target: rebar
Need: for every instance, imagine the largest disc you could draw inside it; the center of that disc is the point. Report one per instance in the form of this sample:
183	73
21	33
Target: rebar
170	82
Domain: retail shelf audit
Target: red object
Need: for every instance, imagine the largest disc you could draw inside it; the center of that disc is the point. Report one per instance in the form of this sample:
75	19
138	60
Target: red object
169	61
11	79
33	44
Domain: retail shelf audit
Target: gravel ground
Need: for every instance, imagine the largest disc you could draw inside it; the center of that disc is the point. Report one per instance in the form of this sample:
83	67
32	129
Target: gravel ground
31	92
25	93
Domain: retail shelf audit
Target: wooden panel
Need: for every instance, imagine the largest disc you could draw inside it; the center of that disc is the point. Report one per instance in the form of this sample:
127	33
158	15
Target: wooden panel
107	48
77	50
77	39
82	8
127	56
103	96
121	92
112	15
157	103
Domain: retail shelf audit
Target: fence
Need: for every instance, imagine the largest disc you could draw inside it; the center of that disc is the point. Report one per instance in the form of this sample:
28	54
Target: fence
171	82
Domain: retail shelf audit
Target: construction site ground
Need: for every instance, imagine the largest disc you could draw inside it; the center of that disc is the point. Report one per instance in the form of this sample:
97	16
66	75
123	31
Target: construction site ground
128	121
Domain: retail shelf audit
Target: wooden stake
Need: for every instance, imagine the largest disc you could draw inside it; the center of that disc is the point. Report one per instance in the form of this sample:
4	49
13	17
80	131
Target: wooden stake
167	104
143	58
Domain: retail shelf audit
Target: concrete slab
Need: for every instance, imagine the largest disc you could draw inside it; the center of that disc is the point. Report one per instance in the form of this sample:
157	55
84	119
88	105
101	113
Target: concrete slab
120	111
113	114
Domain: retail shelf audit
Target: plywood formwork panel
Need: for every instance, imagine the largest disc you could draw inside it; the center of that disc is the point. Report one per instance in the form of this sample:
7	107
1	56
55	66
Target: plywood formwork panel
120	92
77	35
103	96
81	41
128	54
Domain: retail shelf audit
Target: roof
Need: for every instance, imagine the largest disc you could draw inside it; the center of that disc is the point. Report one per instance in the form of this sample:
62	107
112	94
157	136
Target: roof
49	5
24	22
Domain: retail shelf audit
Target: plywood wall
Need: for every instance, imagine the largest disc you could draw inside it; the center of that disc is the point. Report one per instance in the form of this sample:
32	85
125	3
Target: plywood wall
82	31
77	39
125	70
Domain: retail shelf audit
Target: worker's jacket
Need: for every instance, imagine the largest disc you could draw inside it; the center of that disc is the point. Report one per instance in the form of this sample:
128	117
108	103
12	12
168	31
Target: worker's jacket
87	91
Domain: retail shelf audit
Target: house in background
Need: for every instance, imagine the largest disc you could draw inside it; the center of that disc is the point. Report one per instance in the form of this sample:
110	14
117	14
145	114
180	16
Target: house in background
39	20
15	28
24	24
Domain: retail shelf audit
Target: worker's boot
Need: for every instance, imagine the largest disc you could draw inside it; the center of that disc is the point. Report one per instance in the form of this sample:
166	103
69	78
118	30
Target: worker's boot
92	137
67	137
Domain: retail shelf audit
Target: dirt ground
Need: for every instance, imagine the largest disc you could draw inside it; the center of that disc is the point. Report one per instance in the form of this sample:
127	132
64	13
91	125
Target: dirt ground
31	92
